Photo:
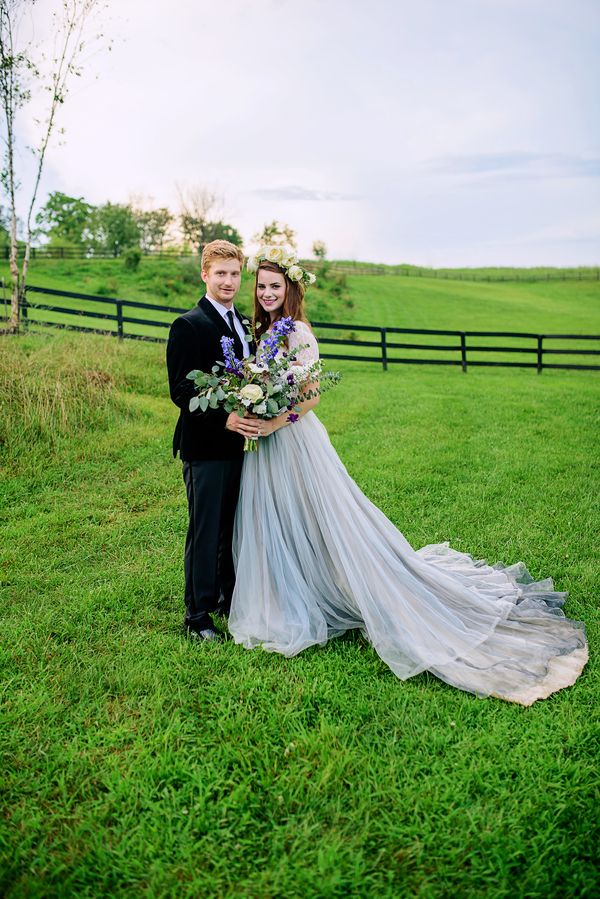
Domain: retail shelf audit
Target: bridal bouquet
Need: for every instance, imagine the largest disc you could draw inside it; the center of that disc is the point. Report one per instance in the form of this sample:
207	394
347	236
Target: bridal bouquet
266	385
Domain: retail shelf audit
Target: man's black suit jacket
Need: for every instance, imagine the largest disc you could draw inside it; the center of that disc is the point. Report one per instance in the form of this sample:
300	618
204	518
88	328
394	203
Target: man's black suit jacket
194	342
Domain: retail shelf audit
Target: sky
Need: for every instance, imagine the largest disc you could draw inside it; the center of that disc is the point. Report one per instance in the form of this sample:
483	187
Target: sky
437	132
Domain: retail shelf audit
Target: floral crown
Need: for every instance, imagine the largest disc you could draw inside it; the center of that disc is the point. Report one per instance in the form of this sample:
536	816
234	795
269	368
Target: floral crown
285	258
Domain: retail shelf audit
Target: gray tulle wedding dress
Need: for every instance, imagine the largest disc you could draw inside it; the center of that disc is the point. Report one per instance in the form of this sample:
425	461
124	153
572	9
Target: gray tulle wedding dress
315	558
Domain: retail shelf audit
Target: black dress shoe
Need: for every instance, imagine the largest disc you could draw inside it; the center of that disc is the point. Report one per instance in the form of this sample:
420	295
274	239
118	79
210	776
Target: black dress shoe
208	634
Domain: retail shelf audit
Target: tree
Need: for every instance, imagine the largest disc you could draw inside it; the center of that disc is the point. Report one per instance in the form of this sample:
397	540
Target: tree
319	250
65	220
221	231
22	75
196	207
114	228
198	219
153	226
276	233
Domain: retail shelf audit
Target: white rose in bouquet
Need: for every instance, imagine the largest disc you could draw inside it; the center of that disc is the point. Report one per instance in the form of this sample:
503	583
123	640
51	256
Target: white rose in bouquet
251	392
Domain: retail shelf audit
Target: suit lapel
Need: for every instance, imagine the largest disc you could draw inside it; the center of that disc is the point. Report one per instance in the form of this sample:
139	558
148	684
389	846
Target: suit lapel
216	318
207	307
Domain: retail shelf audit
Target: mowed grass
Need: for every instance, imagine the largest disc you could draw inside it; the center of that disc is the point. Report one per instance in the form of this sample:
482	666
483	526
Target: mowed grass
137	764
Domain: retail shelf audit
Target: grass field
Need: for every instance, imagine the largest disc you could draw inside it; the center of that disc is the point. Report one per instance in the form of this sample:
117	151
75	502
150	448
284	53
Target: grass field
136	764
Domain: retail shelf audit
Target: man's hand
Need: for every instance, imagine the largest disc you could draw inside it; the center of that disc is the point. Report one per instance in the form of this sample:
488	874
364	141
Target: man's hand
247	427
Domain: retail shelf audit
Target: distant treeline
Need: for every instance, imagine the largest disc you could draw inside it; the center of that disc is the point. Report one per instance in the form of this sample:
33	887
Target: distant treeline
72	226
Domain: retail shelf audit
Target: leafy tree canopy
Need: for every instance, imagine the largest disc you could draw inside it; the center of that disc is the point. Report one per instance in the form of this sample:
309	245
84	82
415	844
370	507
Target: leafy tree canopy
64	219
114	228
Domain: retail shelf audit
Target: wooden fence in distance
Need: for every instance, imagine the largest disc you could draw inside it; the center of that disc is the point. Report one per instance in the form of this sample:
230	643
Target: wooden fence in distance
584	273
530	350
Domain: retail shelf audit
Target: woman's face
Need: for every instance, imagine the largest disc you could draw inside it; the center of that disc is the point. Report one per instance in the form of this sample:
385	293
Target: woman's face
270	291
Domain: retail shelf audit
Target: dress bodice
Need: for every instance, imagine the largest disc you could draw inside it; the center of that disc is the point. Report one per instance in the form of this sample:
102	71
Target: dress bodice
300	336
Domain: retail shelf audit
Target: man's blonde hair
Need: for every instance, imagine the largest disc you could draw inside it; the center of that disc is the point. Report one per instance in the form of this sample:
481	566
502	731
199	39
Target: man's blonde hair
218	250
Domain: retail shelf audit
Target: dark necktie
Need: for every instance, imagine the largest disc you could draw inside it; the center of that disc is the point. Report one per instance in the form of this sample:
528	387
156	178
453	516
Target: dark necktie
237	343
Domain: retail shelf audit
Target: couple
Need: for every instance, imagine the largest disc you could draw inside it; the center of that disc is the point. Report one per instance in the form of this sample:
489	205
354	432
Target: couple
285	543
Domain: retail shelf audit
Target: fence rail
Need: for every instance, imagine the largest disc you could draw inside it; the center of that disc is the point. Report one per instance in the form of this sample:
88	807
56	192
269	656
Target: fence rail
585	273
114	312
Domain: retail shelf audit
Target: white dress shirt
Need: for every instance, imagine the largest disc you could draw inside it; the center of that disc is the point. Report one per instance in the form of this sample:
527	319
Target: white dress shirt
236	323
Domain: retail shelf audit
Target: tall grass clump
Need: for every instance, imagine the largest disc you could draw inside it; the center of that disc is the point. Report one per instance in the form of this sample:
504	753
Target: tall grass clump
48	397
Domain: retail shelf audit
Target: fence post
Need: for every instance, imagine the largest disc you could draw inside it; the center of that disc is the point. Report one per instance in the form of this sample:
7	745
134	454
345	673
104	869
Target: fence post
384	348
119	305
540	350
463	351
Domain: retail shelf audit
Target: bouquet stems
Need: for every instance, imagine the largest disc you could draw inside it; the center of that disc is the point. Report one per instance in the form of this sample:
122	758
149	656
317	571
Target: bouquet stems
251	445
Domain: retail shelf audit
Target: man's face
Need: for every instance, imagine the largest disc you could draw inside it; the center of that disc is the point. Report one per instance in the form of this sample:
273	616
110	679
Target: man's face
223	280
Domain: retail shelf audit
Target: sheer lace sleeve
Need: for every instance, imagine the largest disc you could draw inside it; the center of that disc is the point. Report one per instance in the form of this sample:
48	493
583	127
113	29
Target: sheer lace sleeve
302	335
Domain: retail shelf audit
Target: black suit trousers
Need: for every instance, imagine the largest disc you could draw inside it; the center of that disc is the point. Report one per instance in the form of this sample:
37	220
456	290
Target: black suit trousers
212	489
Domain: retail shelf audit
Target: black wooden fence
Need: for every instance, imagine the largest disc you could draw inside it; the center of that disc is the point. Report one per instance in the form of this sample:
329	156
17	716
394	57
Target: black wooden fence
528	350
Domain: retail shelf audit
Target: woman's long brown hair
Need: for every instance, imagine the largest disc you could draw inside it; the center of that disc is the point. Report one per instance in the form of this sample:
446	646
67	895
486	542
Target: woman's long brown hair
293	305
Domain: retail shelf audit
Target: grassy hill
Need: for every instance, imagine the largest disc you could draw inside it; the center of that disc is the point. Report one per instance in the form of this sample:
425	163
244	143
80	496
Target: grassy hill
385	300
389	301
137	764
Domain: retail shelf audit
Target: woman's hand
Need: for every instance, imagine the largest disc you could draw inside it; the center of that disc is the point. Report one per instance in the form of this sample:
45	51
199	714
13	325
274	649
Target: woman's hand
266	426
269	426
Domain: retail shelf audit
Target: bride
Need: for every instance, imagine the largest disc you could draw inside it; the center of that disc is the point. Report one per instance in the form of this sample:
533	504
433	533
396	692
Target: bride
314	558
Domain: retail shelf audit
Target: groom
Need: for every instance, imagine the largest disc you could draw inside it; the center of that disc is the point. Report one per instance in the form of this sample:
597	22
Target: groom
211	443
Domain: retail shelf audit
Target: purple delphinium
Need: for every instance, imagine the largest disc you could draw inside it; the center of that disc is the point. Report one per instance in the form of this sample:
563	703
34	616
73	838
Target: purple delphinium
232	365
292	417
283	326
270	344
290	378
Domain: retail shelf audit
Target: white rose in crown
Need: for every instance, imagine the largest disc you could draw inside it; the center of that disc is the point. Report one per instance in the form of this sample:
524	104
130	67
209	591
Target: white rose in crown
251	392
295	273
289	257
275	254
311	278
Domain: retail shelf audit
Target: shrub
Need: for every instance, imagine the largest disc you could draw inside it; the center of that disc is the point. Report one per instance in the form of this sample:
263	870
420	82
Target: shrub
189	271
108	288
132	258
338	285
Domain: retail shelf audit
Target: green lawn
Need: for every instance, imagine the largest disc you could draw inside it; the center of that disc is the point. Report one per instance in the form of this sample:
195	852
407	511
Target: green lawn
136	764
